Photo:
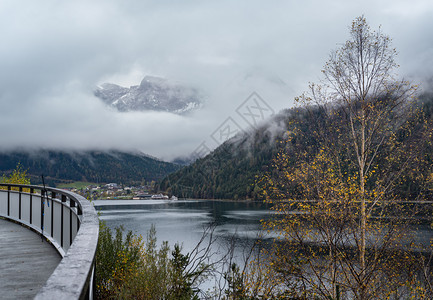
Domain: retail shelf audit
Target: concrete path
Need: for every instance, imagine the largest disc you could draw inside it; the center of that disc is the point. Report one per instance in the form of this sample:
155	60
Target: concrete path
25	261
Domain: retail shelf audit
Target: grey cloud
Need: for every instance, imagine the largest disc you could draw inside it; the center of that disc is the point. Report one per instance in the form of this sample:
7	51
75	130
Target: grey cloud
53	54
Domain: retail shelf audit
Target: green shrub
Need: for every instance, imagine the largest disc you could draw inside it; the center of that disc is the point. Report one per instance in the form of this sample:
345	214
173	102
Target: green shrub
129	268
18	176
116	258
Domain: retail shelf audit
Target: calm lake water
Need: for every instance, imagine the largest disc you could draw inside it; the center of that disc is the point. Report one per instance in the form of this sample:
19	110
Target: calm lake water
184	221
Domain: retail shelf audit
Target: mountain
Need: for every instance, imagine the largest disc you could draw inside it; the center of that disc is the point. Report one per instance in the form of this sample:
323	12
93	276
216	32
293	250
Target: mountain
153	93
132	168
232	170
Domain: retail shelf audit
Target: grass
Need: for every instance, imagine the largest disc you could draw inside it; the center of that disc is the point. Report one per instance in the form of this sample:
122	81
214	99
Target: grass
76	185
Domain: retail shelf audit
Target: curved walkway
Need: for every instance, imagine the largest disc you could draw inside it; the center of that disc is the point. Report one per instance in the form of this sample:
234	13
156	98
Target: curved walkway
26	262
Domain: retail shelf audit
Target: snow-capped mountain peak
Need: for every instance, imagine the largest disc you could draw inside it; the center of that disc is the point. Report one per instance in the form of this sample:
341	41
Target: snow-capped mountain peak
153	93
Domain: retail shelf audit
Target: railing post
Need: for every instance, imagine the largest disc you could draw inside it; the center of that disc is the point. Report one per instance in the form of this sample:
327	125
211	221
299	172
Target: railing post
20	190
31	205
53	196
71	204
9	200
70	227
62	218
52	217
80	213
42	209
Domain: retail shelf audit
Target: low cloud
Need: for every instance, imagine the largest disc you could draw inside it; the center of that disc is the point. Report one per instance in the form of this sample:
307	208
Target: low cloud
54	54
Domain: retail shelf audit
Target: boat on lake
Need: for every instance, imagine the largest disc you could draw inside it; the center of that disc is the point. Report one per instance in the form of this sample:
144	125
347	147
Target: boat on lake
159	197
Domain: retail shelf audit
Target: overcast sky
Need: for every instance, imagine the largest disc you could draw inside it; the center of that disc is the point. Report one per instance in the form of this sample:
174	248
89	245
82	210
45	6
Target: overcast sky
54	53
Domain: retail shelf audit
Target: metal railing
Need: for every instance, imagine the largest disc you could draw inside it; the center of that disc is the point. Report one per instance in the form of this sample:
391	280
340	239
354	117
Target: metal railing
69	222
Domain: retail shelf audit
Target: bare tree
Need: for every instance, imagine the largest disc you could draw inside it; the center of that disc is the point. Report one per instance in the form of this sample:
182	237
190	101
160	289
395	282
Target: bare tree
358	75
364	136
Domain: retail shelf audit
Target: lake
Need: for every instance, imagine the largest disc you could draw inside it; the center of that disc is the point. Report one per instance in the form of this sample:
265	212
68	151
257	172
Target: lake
184	221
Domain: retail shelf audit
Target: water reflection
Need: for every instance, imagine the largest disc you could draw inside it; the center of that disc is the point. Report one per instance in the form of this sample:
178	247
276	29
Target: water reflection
184	221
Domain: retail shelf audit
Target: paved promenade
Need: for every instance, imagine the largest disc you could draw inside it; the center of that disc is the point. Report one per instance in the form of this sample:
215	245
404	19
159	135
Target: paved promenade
25	261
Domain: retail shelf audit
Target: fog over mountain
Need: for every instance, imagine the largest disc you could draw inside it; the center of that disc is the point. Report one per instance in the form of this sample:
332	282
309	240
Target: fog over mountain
55	53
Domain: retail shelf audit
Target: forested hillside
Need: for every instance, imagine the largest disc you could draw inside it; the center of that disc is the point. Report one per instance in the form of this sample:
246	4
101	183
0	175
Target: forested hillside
90	166
232	170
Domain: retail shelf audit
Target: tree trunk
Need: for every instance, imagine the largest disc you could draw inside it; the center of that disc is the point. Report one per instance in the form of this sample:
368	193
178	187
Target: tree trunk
363	206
